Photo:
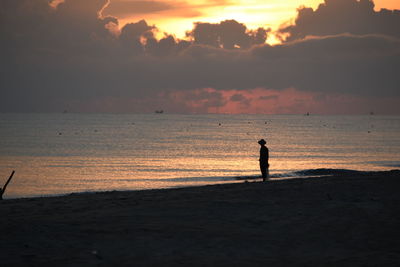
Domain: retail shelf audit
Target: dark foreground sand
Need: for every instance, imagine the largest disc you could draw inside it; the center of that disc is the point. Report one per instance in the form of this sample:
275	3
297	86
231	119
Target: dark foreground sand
337	221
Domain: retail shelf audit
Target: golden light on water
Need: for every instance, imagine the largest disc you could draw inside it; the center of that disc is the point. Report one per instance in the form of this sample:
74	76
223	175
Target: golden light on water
169	150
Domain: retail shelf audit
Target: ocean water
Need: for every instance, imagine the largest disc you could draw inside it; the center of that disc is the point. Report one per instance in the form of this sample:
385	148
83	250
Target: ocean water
56	154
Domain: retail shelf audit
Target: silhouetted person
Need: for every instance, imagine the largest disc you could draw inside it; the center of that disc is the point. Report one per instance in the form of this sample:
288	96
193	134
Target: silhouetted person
264	157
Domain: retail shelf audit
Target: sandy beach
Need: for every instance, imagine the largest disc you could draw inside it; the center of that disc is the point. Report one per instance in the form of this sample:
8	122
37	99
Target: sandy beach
347	220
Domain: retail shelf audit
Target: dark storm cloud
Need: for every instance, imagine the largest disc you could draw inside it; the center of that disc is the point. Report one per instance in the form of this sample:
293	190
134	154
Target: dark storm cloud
241	99
55	57
345	63
209	99
227	34
344	16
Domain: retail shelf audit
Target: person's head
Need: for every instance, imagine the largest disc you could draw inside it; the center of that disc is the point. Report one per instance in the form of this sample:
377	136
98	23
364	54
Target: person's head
262	142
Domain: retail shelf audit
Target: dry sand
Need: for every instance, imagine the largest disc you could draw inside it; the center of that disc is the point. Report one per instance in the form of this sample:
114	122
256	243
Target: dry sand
336	221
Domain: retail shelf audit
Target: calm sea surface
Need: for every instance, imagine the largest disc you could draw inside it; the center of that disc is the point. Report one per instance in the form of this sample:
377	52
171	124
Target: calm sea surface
63	153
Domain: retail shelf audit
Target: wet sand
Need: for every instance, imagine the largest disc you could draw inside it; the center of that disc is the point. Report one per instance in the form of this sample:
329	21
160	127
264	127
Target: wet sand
348	220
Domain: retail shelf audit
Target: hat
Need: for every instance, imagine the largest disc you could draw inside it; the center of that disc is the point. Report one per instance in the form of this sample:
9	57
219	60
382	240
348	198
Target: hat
262	142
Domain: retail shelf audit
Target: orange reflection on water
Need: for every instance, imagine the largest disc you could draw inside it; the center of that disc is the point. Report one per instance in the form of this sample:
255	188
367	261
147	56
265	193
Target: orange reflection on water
37	176
162	151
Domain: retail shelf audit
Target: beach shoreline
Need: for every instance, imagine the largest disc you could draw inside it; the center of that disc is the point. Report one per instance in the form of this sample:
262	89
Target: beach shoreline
347	219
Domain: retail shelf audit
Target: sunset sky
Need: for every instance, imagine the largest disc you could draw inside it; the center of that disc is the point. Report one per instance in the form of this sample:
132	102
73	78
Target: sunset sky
205	56
177	17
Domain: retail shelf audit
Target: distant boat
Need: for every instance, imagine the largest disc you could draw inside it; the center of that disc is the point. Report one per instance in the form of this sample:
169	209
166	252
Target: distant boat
159	111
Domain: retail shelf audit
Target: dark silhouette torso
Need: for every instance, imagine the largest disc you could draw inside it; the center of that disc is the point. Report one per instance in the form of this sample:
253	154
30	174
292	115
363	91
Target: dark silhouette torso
264	155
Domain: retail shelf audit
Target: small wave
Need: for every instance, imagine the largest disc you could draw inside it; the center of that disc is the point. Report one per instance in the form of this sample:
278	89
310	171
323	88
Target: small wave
286	175
391	164
327	172
336	172
278	176
187	179
305	173
308	173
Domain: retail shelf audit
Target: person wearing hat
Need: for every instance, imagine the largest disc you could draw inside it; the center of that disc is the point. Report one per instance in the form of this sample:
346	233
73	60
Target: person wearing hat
264	157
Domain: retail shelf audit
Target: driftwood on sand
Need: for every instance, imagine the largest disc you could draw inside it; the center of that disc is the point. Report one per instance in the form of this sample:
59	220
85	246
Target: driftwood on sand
2	190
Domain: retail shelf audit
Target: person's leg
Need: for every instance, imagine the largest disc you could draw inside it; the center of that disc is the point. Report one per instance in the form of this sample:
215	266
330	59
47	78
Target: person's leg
263	171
